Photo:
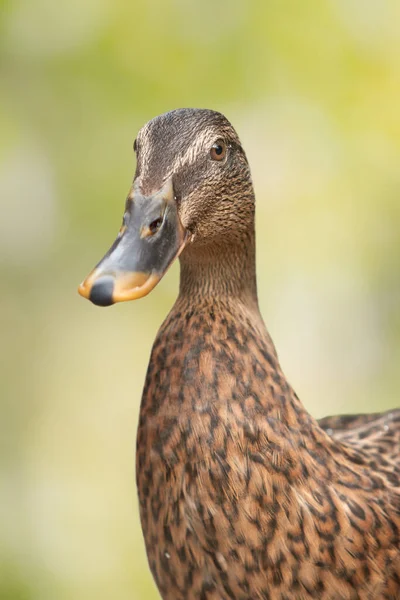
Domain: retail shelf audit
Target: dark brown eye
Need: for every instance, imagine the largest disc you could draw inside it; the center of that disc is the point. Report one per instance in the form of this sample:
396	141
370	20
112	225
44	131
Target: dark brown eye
135	146
218	150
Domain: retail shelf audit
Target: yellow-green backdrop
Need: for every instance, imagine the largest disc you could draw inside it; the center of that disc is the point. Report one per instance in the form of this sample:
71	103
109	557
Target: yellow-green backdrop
313	89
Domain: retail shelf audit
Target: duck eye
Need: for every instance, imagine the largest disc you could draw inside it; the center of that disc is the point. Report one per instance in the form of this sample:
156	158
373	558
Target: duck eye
218	150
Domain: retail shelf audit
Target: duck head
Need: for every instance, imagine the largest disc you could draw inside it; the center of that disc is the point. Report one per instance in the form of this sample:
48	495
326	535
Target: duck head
192	188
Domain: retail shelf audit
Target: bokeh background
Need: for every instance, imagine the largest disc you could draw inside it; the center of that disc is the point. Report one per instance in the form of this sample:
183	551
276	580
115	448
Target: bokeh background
313	89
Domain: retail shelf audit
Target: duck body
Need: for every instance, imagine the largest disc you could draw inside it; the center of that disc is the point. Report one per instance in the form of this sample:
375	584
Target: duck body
243	495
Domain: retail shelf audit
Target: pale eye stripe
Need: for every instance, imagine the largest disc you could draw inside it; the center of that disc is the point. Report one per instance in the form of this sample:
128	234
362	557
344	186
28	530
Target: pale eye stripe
199	144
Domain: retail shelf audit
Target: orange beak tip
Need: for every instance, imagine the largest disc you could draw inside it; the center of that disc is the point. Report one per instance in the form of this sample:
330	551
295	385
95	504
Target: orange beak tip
82	291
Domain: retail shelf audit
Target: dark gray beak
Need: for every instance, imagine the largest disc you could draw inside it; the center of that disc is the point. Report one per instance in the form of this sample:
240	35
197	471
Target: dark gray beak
149	240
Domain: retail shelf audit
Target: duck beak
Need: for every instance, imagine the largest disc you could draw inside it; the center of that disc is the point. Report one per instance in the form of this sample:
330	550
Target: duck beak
149	240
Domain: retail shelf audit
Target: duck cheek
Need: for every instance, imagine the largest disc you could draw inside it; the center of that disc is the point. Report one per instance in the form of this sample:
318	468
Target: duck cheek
146	247
196	214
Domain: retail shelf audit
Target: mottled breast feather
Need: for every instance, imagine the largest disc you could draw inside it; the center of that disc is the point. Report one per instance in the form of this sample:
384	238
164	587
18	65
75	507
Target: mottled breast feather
242	494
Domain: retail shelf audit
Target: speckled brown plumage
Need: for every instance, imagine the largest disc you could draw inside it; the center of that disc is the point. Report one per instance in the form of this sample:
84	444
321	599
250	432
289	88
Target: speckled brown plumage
243	495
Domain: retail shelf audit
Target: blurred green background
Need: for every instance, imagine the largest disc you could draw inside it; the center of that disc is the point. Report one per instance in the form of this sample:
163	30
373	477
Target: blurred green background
313	89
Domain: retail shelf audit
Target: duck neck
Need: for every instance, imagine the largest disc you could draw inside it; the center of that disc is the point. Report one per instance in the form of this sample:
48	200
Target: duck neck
225	277
220	271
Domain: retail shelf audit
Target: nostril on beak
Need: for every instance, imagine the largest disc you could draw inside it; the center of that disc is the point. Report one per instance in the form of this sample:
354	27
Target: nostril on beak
155	225
152	228
101	293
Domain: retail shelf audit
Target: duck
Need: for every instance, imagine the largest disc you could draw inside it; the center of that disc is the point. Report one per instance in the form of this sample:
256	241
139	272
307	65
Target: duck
243	494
